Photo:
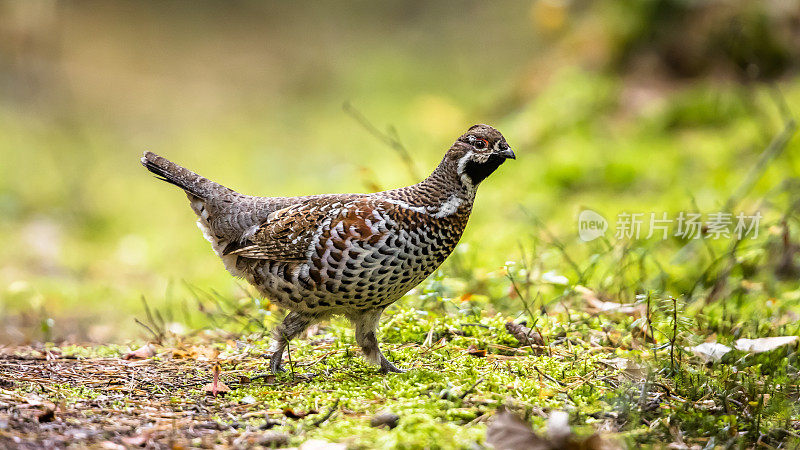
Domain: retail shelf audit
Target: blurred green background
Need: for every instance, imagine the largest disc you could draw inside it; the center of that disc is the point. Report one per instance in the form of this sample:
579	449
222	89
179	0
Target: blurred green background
635	105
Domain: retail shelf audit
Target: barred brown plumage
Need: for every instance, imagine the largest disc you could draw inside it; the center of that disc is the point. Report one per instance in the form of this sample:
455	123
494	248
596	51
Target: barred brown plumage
350	254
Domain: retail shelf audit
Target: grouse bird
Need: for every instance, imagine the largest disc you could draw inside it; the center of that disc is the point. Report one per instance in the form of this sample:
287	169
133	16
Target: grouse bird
349	254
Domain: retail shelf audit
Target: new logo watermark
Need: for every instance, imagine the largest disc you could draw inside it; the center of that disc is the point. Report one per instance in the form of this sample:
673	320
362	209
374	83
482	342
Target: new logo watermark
591	225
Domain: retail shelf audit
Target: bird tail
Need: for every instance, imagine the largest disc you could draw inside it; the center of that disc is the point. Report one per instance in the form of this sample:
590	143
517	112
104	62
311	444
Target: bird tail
185	179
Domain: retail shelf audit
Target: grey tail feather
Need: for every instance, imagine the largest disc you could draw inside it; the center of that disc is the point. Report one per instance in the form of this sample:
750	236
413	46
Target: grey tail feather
185	179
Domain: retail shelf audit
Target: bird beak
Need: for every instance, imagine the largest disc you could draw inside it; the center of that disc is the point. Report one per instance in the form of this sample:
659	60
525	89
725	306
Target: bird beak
507	154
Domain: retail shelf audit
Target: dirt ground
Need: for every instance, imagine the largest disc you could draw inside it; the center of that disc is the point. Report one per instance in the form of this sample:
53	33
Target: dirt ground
119	403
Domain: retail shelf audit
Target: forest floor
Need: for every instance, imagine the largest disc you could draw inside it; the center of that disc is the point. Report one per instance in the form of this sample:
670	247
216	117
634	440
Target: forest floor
592	381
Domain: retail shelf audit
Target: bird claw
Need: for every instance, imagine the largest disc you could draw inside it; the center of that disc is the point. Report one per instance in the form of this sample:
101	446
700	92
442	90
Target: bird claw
387	367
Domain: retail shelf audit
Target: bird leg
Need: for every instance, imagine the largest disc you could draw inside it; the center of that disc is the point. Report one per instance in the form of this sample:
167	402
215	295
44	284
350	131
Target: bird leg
366	324
293	324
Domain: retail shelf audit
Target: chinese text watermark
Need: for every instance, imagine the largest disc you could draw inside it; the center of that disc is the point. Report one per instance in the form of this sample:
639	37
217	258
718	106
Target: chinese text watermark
683	225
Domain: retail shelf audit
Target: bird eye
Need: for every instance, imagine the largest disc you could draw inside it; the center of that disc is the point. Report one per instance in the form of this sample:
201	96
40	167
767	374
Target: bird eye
481	143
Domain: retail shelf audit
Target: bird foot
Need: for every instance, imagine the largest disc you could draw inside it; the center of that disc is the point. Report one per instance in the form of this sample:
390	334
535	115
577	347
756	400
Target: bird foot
387	367
275	363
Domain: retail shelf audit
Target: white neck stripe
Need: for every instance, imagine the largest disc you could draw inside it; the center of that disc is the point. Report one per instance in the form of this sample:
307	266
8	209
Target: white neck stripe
447	208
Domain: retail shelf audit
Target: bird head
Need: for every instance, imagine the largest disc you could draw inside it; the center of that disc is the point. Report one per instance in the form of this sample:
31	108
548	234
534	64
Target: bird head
478	153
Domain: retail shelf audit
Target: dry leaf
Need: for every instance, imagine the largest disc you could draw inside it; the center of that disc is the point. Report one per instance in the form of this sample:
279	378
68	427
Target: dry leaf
144	352
384	418
475	351
34	400
216	386
761	345
200	353
139	439
596	306
48	415
292	414
710	351
219	388
508	432
628	367
274	439
524	335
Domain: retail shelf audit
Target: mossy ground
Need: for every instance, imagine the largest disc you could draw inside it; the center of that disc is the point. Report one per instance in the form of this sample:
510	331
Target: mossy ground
461	369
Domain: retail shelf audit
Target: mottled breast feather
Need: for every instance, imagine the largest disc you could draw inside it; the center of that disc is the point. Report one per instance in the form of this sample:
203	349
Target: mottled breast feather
357	251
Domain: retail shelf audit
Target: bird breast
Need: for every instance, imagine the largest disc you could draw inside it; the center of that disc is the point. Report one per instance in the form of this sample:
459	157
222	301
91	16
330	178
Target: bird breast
363	257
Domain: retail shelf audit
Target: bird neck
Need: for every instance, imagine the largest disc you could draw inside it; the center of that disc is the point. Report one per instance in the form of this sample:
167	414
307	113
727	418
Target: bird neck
444	190
442	194
445	179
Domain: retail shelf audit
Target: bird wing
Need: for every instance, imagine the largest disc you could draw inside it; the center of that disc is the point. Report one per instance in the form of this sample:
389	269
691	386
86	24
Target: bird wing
288	234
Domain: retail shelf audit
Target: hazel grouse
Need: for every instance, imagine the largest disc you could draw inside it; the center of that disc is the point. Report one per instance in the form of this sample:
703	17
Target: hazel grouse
349	254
